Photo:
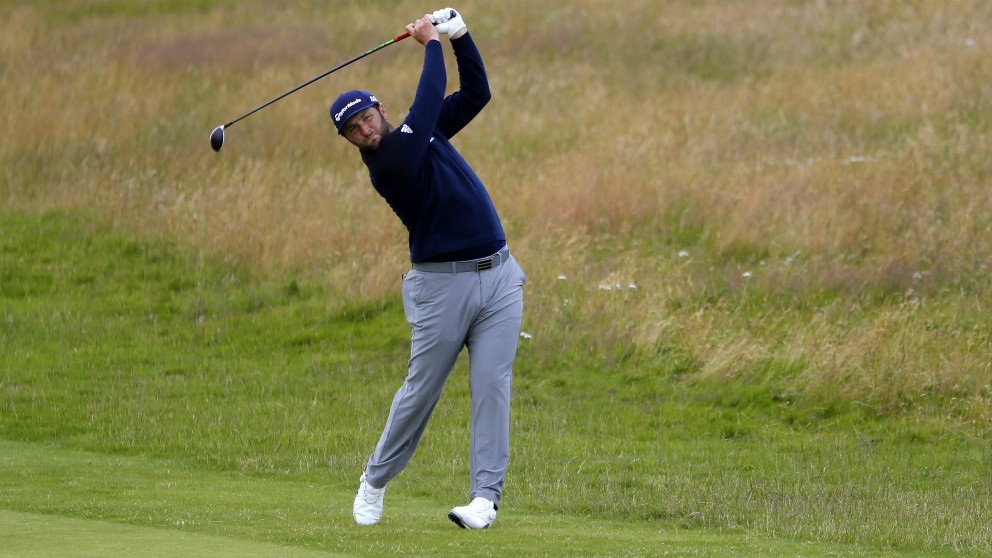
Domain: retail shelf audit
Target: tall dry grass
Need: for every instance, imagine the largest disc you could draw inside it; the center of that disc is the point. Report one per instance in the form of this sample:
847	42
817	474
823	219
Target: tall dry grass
783	182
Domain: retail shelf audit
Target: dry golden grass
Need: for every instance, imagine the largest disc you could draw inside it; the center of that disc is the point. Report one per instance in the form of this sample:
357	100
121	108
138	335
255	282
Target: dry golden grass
837	152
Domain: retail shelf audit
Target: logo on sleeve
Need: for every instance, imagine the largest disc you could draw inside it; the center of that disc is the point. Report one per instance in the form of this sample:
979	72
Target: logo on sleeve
406	129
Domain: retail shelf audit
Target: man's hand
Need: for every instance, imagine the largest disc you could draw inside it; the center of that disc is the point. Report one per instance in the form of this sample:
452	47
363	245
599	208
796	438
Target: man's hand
451	25
423	30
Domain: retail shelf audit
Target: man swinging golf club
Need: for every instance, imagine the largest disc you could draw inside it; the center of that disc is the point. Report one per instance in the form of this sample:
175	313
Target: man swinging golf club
464	288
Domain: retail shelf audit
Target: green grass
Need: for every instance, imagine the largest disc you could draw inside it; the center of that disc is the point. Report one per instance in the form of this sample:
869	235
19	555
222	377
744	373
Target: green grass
798	190
36	535
144	384
80	10
132	506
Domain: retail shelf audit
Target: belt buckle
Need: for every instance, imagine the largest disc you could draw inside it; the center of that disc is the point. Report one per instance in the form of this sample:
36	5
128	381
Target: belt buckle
482	265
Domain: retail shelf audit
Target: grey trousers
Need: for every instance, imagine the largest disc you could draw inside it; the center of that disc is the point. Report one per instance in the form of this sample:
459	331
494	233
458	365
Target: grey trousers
447	311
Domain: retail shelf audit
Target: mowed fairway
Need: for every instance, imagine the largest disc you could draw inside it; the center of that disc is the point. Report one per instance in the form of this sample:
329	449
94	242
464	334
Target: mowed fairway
758	239
216	411
192	512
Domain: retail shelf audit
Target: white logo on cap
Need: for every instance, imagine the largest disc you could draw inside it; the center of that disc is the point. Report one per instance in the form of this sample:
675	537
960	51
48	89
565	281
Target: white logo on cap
340	113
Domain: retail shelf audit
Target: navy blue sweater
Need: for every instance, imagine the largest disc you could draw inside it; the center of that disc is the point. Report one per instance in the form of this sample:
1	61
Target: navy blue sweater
438	197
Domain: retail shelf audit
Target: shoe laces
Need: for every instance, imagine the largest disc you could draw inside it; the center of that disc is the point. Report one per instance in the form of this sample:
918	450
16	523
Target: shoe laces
369	493
481	505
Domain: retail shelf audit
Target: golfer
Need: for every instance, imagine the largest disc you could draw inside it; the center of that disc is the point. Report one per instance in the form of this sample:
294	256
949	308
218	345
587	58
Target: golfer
464	288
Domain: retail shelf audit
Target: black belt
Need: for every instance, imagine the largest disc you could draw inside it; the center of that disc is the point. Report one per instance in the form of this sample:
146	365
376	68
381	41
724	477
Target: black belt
465	266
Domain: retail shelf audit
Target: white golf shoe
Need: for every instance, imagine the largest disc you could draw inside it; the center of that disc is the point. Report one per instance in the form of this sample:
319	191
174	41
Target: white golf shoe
480	514
368	503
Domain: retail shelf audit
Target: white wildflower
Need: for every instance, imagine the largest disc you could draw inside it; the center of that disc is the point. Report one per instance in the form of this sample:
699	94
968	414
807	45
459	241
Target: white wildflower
526	335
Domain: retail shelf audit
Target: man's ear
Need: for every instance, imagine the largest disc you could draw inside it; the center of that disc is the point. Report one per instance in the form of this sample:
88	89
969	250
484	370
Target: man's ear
382	111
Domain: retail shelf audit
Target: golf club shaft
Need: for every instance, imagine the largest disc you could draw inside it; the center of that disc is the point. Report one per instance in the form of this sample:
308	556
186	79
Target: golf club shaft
323	75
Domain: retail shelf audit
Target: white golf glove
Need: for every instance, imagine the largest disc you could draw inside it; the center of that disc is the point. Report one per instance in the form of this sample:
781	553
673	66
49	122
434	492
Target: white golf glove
447	24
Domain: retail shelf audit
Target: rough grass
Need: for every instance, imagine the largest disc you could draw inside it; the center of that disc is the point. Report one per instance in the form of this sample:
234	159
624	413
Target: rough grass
134	348
812	162
783	204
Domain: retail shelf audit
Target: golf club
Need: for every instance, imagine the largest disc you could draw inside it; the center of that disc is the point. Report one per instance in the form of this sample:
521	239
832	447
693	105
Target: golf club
217	136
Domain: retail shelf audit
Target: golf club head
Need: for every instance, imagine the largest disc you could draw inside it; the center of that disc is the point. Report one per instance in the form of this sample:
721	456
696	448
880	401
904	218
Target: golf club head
217	138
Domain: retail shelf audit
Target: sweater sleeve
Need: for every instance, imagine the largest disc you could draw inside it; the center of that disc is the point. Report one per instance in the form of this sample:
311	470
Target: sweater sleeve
473	88
414	134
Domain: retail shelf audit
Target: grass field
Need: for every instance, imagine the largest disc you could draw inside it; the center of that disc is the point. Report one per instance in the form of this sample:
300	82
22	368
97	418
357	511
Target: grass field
757	238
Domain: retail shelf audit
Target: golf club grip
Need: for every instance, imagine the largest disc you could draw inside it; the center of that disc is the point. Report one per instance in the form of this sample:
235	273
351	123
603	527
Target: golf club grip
399	38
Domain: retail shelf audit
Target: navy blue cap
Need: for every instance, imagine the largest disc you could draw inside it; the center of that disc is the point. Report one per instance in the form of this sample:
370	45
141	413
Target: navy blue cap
348	104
